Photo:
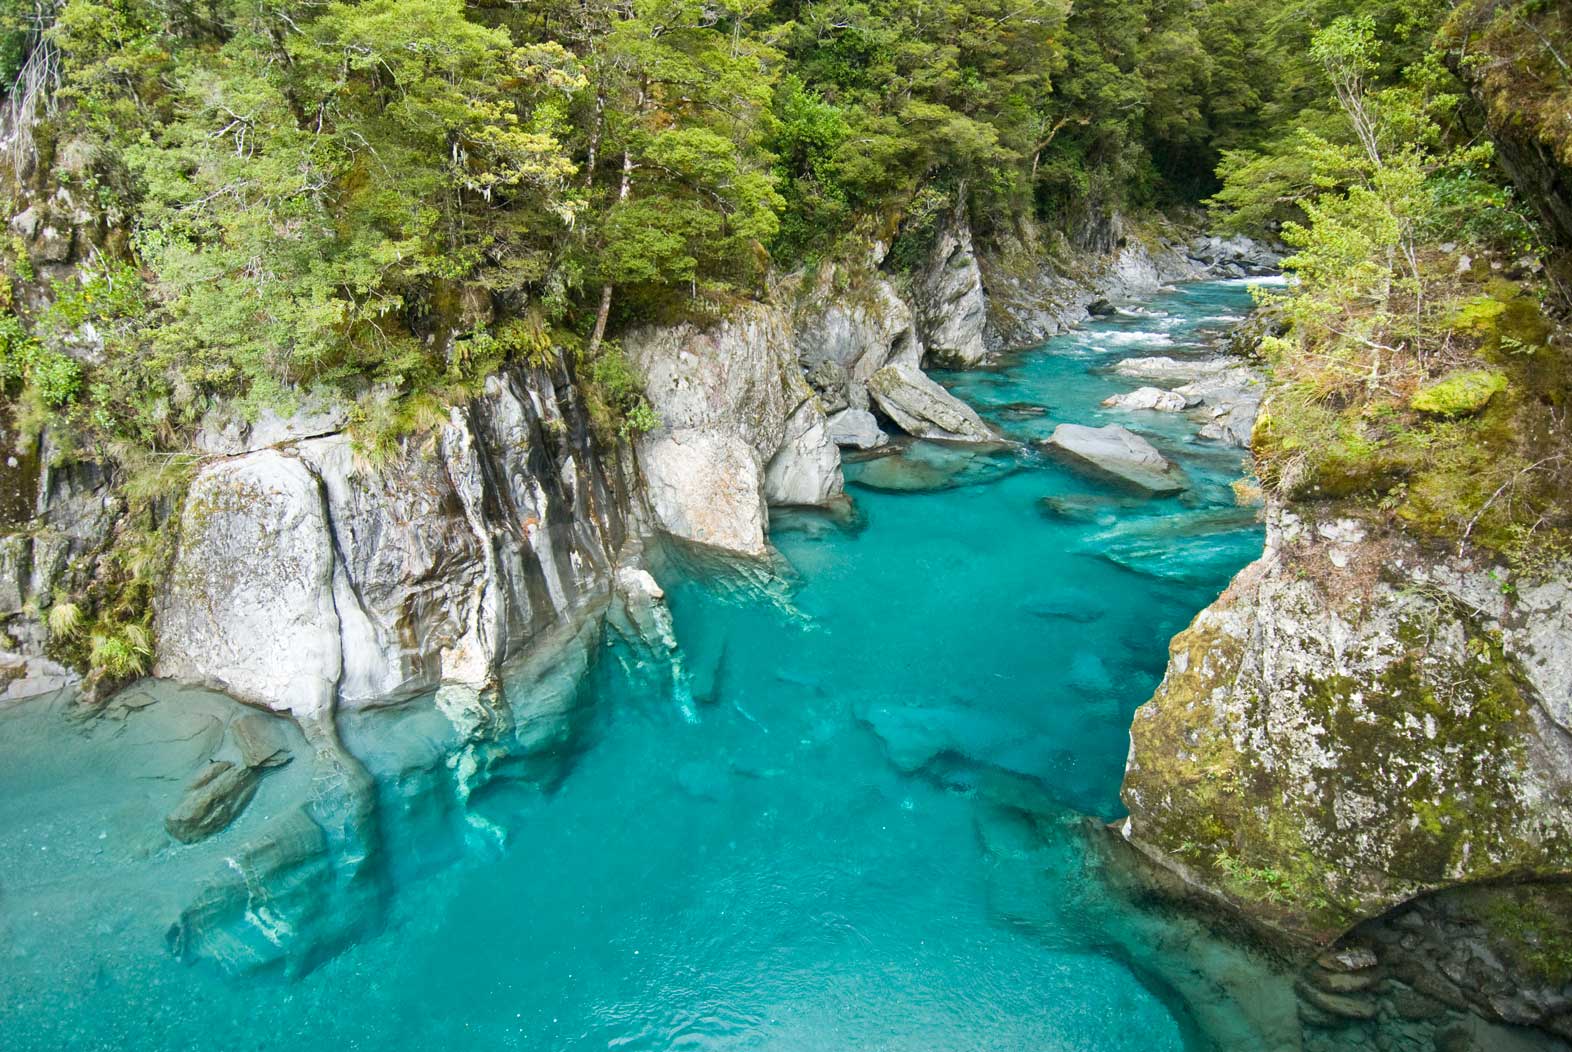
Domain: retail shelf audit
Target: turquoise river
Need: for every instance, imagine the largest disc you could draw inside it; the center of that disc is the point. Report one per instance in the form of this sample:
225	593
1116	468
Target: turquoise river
872	822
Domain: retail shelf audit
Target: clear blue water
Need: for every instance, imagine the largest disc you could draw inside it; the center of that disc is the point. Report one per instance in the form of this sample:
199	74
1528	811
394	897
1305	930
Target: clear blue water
864	833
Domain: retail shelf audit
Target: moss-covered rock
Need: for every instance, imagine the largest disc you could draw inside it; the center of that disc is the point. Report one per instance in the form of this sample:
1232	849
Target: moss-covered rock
1356	721
1462	393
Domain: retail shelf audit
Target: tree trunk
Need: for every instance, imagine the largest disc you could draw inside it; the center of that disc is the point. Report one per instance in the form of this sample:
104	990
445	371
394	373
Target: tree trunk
605	292
594	141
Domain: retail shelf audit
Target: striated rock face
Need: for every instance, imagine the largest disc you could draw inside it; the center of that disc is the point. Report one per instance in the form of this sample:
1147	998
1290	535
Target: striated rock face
951	307
63	516
465	579
1356	722
740	428
380	583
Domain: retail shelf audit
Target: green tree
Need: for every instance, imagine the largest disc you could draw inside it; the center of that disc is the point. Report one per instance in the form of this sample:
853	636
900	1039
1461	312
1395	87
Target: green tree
682	103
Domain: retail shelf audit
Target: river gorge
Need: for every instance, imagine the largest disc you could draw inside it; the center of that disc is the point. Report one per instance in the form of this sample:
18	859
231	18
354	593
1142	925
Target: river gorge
855	800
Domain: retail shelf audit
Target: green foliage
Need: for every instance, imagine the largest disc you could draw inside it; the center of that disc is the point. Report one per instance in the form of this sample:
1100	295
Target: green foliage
65	619
48	375
920	228
809	133
1407	379
290	246
618	408
122	652
380	201
1536	553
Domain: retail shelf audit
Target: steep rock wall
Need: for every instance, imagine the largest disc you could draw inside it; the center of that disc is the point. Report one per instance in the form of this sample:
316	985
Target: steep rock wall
951	305
740	429
1359	724
385	582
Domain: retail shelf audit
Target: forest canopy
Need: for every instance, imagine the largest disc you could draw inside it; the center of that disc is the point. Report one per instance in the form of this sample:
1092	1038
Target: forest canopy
384	199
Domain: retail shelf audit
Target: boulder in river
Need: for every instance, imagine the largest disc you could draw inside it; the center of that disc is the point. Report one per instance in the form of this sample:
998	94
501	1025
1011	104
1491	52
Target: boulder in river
1118	454
922	408
1171	370
1231	400
1150	398
218	793
260	740
857	429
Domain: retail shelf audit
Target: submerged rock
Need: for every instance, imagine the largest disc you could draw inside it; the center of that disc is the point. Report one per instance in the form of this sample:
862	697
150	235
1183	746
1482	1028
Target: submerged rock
922	408
1021	410
260	740
280	899
218	793
1199	547
921	467
1120	455
915	736
1056	607
1102	508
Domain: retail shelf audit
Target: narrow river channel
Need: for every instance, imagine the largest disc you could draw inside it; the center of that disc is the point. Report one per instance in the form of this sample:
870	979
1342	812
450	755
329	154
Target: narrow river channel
860	826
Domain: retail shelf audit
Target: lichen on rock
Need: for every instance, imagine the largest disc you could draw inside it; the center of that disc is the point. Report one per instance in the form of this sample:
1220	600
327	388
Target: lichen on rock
1352	724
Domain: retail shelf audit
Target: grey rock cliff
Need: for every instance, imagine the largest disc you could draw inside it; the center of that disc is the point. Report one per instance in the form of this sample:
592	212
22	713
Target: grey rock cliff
379	583
853	326
1035	293
1370	719
739	428
951	306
